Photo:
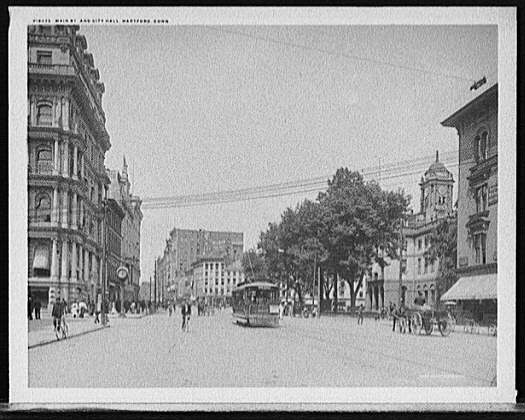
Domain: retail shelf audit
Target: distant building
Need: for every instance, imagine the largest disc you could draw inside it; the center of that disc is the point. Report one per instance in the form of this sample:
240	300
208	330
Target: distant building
66	144
120	191
213	279
184	247
344	300
477	127
146	291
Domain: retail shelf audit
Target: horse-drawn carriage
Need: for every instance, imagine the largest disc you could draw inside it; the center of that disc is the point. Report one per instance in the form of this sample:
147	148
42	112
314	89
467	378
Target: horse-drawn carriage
426	318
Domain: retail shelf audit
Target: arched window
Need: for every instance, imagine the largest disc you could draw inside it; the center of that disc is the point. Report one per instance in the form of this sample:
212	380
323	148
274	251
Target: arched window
44	114
44	160
481	145
43	208
41	261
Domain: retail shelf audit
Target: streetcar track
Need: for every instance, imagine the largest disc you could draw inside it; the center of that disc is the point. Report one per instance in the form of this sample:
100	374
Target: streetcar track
393	357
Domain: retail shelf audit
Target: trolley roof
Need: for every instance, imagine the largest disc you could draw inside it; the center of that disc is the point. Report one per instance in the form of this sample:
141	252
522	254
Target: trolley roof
257	285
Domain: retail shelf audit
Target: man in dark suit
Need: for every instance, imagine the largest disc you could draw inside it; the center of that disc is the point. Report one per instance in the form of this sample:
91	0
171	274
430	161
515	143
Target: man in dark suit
37	305
30	307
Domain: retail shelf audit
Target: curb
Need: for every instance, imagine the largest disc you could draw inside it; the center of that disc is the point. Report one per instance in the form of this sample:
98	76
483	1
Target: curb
51	341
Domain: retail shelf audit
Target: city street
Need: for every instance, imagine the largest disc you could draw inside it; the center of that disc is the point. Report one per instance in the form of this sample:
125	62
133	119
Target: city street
330	352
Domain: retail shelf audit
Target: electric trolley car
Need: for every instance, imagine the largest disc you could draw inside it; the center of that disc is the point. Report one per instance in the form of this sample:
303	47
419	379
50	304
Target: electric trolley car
256	304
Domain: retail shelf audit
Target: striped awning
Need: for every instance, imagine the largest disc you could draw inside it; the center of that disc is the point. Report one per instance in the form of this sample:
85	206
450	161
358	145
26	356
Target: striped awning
41	259
473	288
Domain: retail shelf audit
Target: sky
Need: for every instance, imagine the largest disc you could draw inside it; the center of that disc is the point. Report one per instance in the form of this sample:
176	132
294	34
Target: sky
198	109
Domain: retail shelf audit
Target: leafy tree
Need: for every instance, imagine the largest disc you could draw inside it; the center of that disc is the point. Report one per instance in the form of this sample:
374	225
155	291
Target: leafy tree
443	247
352	206
254	266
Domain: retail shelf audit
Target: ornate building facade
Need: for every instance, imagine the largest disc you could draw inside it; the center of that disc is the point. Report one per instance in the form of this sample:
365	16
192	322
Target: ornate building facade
67	182
419	274
114	217
477	250
120	191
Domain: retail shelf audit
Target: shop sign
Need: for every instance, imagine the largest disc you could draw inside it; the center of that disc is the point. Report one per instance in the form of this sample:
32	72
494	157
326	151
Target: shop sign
493	194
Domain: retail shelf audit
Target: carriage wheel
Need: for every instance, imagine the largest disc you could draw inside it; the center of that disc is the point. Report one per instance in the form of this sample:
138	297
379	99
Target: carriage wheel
446	326
428	325
417	323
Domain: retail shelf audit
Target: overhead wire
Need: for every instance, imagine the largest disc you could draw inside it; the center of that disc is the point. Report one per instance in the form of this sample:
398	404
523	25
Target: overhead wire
341	54
255	196
392	171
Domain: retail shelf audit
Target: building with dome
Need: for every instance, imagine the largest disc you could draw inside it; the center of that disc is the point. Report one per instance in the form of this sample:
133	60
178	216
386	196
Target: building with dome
419	273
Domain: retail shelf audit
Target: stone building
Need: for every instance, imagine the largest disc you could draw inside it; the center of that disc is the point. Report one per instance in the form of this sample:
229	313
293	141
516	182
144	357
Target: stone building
477	250
114	217
419	273
120	191
67	182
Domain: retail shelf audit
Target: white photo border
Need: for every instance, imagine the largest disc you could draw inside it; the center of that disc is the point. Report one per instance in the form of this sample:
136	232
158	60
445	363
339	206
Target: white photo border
264	398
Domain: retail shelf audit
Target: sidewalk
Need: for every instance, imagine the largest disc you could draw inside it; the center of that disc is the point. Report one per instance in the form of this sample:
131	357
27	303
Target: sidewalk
41	331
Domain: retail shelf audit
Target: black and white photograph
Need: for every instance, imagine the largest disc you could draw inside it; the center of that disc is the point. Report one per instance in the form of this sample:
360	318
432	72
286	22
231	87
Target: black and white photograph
262	206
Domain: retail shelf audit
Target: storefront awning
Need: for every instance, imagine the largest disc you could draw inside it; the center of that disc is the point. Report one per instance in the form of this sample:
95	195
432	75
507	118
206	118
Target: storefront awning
473	288
41	259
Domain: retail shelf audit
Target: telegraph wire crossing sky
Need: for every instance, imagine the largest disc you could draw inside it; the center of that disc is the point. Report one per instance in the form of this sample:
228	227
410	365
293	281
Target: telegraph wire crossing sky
202	110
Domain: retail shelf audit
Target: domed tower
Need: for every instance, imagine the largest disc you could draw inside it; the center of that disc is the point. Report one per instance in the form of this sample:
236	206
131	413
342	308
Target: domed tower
436	191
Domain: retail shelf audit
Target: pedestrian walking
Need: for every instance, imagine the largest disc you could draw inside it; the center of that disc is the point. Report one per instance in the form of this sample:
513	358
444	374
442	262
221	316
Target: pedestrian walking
360	315
170	309
394	316
37	306
183	313
30	307
97	312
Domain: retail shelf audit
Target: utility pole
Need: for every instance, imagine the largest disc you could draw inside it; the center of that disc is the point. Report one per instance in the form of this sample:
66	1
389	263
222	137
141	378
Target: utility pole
150	289
402	241
155	290
317	272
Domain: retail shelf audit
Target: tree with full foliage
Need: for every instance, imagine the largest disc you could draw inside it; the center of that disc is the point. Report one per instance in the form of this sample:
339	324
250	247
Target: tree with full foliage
443	247
340	232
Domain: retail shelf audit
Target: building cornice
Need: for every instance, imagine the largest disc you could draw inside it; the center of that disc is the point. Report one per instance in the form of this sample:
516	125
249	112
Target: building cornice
488	95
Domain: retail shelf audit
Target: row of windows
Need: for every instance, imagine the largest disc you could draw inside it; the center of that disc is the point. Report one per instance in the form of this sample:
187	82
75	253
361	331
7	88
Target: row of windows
44	117
427	264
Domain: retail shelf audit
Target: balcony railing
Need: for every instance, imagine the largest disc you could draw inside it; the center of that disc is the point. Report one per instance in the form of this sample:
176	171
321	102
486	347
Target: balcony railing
44	168
52	69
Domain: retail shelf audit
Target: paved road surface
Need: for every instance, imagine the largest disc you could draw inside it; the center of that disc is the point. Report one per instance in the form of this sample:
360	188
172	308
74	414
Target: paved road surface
154	352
